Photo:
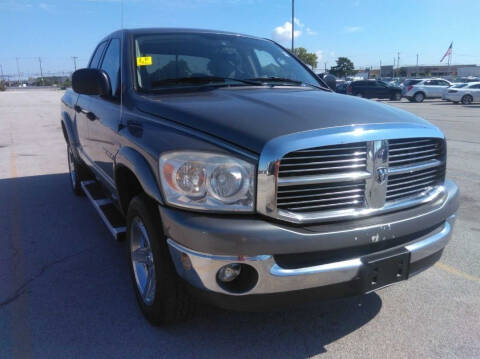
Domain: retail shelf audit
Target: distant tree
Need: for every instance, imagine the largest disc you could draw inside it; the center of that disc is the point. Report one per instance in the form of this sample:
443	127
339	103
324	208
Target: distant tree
344	67
3	87
307	57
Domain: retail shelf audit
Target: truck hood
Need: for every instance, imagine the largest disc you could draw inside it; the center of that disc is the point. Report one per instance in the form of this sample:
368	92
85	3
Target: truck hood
251	116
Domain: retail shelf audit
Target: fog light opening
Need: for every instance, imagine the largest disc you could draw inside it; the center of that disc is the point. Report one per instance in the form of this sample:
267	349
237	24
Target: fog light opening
237	277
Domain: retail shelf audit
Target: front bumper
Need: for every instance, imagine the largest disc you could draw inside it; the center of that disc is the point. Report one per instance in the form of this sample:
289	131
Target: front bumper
454	97
201	269
200	245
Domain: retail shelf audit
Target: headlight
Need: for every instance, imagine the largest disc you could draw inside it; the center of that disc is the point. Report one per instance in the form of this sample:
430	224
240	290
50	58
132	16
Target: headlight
207	181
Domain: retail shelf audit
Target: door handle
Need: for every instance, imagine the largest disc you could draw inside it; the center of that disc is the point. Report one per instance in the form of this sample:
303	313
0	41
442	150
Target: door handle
91	116
77	108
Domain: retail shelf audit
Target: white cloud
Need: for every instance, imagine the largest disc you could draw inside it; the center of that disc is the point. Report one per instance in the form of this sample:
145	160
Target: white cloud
351	29
319	54
284	33
310	31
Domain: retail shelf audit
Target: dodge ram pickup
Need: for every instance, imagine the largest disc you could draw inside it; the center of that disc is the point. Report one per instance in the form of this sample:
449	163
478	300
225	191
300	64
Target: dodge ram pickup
238	177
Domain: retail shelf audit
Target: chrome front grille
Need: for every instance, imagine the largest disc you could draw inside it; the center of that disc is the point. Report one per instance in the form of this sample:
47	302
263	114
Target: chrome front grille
427	154
349	172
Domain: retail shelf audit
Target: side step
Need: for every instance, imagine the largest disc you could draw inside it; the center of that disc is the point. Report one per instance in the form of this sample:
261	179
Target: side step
105	208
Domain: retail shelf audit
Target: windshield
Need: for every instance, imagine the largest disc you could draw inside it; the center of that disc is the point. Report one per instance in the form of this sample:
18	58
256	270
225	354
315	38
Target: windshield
172	60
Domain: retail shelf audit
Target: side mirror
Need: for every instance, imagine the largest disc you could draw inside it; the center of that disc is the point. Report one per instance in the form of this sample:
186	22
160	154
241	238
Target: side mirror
91	82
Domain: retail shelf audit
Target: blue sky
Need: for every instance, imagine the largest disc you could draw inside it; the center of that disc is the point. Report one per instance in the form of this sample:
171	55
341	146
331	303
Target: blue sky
366	31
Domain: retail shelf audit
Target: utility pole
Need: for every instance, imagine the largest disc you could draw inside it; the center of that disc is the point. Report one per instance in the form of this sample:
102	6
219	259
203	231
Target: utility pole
18	70
41	70
393	69
416	71
380	70
293	24
325	67
1	71
75	62
398	62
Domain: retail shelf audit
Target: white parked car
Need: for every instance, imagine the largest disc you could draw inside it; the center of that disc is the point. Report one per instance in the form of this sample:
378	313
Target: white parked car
465	95
428	88
456	85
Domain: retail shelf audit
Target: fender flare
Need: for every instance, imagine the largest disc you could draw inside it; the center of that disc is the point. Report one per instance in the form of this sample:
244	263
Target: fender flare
138	165
67	129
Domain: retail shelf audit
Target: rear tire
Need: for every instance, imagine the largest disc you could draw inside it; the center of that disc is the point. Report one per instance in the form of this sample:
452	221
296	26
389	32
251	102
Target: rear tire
162	295
397	96
419	97
467	99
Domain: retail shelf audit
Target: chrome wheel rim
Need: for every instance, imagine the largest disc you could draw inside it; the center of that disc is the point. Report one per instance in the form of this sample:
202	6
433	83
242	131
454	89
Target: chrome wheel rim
71	168
142	261
467	100
398	96
419	97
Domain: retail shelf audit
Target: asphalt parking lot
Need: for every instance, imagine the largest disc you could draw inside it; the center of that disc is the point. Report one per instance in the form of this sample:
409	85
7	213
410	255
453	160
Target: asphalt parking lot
65	291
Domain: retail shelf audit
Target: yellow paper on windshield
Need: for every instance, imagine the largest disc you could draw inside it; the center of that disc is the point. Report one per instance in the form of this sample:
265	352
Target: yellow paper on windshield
144	61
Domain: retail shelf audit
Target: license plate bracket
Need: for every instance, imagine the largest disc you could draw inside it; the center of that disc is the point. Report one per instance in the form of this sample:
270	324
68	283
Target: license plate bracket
382	269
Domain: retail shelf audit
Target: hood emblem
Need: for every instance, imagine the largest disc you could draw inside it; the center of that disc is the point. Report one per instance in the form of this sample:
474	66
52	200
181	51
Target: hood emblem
381	175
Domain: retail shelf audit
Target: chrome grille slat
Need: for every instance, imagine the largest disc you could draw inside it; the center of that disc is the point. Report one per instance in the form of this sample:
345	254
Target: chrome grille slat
412	153
423	185
417	191
312	188
407	142
281	198
319	169
412	159
322	156
332	148
411	148
328	205
331	200
410	181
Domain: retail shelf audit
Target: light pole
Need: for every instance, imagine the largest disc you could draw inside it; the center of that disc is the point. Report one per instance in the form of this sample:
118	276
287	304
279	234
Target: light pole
293	24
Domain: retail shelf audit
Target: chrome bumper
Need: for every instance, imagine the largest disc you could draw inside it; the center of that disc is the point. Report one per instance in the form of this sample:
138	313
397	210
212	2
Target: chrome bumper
200	269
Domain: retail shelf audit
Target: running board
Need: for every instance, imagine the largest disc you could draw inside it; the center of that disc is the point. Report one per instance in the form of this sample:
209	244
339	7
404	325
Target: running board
105	208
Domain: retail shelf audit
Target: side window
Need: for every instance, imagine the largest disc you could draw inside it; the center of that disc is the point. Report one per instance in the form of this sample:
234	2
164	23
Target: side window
111	64
475	86
444	83
97	55
428	83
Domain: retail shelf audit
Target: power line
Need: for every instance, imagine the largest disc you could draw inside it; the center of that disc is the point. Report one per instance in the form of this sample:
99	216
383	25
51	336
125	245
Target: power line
293	24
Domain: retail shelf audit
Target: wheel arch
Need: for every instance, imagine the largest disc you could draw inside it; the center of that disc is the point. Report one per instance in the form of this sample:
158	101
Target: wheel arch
133	175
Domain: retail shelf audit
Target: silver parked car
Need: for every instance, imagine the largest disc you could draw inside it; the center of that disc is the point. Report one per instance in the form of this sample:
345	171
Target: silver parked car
457	85
466	95
428	88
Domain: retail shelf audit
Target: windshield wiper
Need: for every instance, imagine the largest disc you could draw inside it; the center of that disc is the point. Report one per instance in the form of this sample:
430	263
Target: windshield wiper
285	80
203	80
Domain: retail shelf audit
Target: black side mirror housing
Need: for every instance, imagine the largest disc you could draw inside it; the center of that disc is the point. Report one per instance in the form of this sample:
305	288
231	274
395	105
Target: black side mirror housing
91	82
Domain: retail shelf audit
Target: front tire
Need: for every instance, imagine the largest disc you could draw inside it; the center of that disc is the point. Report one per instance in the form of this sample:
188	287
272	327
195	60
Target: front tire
419	97
467	99
161	294
75	172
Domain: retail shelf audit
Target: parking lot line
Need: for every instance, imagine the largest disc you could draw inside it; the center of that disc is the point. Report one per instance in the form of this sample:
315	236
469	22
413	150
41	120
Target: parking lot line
457	272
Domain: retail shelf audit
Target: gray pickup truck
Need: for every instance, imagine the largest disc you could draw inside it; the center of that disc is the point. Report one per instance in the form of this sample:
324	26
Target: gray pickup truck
238	177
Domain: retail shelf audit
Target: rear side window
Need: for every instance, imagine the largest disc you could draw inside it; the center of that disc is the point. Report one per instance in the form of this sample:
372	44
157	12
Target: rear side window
97	55
411	82
111	64
477	86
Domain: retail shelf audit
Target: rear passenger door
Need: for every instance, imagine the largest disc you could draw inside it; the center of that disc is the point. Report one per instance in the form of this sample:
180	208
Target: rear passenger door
442	85
429	88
